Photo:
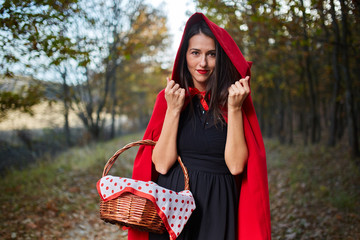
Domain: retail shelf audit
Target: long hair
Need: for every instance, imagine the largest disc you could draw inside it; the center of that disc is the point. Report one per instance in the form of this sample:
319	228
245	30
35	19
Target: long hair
219	81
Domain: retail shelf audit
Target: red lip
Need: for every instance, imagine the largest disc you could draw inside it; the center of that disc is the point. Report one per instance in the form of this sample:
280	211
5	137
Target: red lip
203	71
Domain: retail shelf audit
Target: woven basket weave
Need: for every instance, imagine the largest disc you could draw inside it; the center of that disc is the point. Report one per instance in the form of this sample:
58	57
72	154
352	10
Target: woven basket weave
130	210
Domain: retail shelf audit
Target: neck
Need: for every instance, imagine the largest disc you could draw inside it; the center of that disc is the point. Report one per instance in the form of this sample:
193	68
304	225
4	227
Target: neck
200	87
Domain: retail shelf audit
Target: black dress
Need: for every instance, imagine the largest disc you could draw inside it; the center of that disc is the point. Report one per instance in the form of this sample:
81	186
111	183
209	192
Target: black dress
201	146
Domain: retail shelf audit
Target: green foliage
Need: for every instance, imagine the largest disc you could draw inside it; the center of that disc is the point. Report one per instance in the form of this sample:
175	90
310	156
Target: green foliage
109	48
141	80
35	29
291	45
124	84
22	101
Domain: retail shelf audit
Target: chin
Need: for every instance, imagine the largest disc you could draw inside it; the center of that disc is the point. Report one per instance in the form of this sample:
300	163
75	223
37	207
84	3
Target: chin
202	79
200	82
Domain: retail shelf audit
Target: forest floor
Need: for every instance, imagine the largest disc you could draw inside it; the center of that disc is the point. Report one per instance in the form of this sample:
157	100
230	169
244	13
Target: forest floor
314	193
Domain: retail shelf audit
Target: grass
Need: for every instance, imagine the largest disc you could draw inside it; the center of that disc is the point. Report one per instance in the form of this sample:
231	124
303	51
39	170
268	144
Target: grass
57	187
314	193
48	171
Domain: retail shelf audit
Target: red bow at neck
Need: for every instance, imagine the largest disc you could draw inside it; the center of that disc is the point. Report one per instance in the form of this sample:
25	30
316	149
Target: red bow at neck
201	95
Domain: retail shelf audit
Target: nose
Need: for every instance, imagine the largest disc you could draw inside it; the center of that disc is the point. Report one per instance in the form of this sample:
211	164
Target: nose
203	61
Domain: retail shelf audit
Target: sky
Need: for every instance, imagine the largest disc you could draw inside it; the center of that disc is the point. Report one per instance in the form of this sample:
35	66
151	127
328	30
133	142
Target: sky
178	12
177	16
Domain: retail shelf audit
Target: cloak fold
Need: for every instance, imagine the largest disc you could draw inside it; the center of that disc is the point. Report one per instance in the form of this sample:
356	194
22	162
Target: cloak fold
254	209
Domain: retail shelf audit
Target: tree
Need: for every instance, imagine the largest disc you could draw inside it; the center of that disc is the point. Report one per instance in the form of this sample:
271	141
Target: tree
134	37
336	70
349	102
33	29
305	56
22	100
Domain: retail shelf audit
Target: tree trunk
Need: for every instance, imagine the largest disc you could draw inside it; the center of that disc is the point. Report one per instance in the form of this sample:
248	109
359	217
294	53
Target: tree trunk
350	111
113	106
303	119
290	120
287	103
270	120
98	122
341	121
337	76
261	111
279	110
313	98
66	99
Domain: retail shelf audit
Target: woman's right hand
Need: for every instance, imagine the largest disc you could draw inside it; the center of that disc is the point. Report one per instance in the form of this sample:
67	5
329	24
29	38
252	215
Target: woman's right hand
165	152
174	95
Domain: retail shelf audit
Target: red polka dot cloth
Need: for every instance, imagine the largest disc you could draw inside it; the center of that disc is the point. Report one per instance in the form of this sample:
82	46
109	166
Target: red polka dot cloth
174	208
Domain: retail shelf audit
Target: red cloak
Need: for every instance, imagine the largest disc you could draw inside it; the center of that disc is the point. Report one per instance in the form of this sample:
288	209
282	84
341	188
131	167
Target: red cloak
254	209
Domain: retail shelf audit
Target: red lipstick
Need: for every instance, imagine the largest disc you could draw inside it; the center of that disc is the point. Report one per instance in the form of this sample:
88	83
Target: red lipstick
202	71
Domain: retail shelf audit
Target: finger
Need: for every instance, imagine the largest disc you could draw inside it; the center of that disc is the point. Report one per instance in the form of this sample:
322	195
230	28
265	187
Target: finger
231	91
246	79
238	84
176	87
240	88
234	88
182	92
167	81
169	85
246	84
177	92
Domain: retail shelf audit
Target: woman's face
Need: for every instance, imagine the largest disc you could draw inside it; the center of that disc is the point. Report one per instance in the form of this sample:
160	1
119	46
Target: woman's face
200	59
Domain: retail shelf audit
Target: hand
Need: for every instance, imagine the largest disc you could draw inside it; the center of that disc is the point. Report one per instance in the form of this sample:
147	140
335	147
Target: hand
237	93
174	95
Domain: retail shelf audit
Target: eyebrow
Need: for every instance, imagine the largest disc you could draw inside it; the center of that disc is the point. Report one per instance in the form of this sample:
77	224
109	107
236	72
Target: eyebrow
212	50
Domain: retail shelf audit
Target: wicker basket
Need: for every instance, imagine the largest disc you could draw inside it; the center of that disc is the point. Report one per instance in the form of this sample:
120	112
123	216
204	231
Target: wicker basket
130	210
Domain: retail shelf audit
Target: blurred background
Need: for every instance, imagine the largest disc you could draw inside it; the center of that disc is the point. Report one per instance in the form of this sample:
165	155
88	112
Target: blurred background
78	80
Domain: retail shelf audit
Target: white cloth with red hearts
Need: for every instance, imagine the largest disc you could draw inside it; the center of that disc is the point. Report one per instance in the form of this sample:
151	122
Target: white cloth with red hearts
174	208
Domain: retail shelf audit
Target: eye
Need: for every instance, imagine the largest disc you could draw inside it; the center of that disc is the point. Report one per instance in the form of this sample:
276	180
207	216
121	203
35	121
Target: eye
212	54
195	53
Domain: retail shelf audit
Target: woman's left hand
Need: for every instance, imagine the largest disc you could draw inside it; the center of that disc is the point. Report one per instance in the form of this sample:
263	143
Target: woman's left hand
237	93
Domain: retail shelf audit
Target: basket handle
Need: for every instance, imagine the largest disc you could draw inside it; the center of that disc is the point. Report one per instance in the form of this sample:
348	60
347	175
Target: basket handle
112	160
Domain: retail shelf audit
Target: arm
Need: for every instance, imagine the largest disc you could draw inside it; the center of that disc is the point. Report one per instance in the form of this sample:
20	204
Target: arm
165	152
236	152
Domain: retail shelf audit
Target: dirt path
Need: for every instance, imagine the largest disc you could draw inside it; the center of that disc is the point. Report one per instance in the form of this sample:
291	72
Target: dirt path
314	193
307	200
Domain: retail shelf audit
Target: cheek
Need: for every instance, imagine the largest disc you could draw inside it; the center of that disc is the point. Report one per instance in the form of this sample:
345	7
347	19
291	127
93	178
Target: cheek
212	64
190	62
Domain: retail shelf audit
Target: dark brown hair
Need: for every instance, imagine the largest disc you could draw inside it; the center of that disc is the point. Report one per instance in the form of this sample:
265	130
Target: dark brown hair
220	80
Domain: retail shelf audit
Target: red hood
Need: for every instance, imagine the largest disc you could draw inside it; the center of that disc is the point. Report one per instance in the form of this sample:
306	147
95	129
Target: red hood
254	210
226	42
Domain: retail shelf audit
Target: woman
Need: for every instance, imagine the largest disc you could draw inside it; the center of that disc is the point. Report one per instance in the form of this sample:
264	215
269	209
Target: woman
217	135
